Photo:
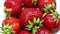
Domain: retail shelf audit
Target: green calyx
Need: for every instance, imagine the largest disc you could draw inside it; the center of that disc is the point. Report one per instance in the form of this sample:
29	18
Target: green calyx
7	11
7	29
50	8
34	1
58	16
55	14
35	29
34	26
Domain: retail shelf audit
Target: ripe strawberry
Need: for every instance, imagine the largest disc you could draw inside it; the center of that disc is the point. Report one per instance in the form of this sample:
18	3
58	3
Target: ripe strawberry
24	32
28	14
29	3
43	31
10	25
13	7
59	24
49	3
51	21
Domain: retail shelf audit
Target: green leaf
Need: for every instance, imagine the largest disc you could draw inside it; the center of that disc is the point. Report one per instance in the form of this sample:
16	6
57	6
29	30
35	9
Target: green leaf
44	15
33	1
29	26
41	23
34	20
3	33
38	20
30	23
7	29
53	12
59	16
8	32
5	9
8	14
45	10
28	29
34	26
53	5
49	7
35	29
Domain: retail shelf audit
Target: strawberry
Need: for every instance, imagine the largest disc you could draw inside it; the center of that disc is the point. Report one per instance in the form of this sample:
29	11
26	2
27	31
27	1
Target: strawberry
49	3
13	7
10	25
24	32
51	21
28	14
29	3
43	31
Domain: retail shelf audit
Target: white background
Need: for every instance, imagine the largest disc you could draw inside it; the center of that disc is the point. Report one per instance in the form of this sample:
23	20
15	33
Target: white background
2	15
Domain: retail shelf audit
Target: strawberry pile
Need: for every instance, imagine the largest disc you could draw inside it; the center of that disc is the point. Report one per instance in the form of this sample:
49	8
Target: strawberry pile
30	17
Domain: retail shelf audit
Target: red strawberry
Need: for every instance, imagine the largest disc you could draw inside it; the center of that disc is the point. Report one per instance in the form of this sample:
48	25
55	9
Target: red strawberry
24	32
13	7
29	14
29	3
49	3
11	26
51	21
59	24
43	31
